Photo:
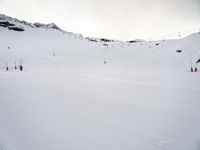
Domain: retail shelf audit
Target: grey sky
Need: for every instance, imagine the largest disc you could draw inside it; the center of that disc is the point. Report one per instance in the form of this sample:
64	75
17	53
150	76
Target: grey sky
118	19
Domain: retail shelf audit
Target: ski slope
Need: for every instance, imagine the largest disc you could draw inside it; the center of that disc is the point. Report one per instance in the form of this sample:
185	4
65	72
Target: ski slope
144	97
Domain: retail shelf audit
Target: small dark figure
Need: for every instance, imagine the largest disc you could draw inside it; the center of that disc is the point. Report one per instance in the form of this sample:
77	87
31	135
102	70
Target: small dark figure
15	66
191	69
7	68
21	65
21	68
195	69
104	62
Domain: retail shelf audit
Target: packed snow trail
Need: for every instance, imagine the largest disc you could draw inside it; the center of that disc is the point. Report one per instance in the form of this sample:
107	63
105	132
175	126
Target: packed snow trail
60	111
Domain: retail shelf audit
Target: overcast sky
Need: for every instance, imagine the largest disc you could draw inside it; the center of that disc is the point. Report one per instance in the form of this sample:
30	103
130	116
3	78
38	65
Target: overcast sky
117	19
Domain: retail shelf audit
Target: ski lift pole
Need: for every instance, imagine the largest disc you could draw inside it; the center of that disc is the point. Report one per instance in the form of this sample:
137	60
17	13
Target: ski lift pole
191	62
104	57
195	70
6	66
198	60
15	66
21	64
179	34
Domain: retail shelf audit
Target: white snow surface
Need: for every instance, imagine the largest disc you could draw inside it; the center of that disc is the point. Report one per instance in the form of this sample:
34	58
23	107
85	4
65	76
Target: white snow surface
143	98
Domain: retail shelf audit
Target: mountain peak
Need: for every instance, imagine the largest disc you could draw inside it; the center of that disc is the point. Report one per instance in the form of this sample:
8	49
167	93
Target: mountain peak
6	21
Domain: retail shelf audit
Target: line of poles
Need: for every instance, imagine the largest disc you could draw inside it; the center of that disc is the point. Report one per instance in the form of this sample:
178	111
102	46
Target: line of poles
193	69
16	67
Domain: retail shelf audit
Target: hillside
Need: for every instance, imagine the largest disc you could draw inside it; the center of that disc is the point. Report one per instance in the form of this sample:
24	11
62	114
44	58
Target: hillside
94	93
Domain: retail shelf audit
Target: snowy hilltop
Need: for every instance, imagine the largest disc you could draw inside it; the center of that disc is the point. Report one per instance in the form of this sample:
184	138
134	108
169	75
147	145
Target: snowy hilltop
29	41
96	93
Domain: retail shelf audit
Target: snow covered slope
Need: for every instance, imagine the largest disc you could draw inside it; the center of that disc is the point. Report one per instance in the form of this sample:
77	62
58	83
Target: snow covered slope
96	94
